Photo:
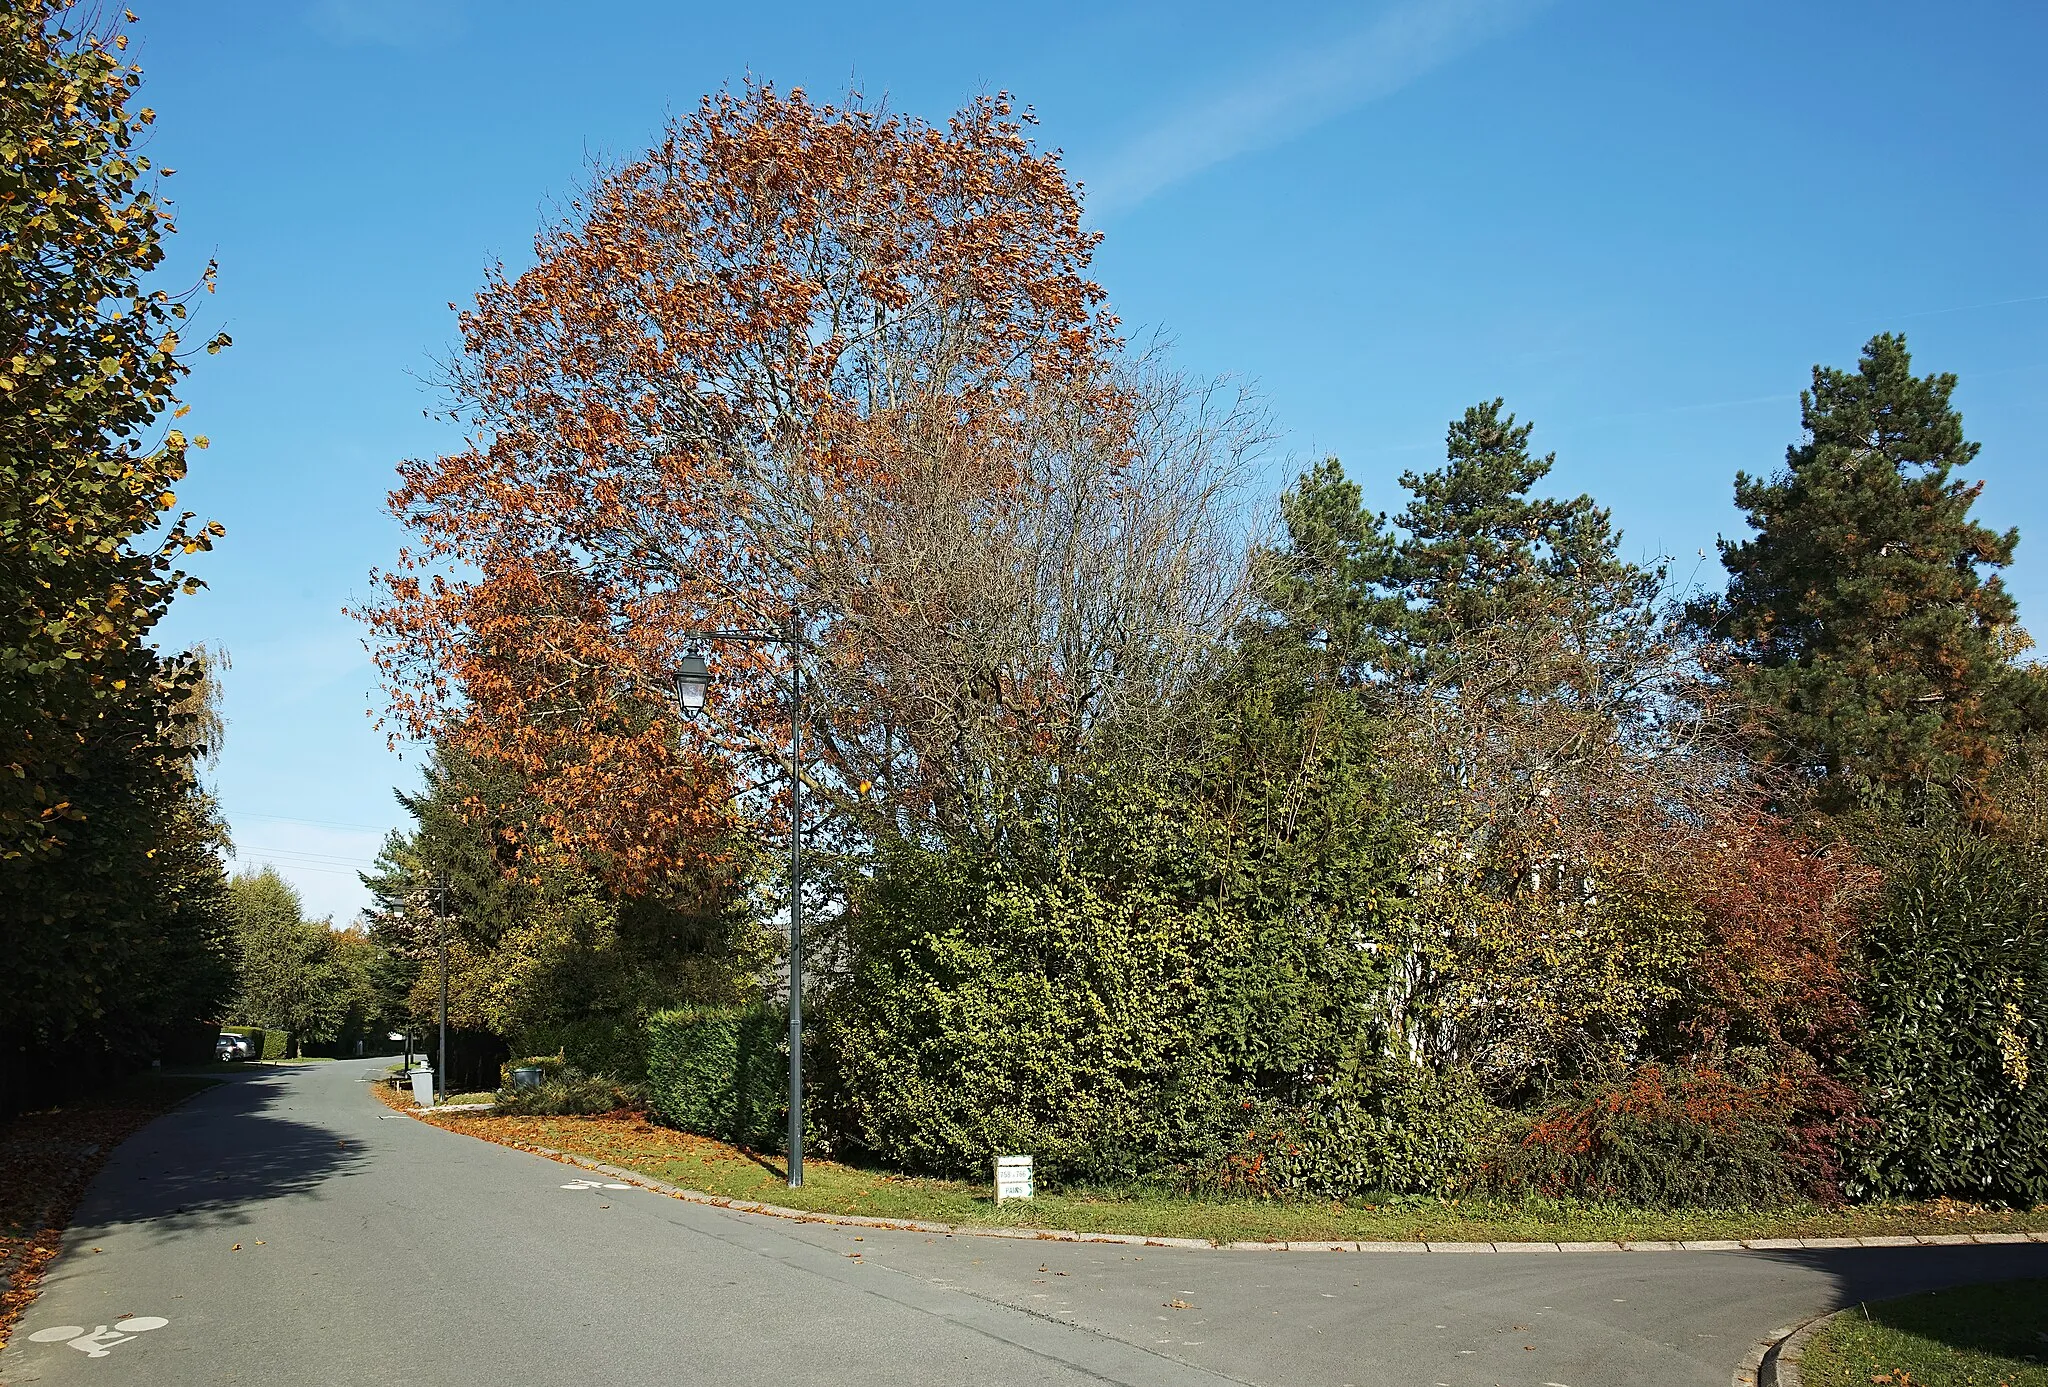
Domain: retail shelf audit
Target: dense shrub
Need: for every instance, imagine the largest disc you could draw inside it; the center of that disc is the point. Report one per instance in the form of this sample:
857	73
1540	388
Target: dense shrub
594	1044
1662	1137
1397	1128
1108	984
721	1072
1954	1054
564	1090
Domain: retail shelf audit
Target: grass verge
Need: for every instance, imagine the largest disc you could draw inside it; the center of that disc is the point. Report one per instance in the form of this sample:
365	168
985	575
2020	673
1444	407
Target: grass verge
714	1168
47	1159
1971	1336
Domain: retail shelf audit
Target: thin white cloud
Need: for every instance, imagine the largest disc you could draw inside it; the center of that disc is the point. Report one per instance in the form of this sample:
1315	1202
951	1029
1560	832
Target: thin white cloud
1403	42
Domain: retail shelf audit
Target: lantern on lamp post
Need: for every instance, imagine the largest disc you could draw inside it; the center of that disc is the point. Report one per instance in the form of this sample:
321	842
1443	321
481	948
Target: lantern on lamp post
692	690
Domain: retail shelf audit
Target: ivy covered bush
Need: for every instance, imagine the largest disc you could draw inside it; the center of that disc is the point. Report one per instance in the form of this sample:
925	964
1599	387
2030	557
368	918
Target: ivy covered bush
1953	1057
1109	982
1395	1128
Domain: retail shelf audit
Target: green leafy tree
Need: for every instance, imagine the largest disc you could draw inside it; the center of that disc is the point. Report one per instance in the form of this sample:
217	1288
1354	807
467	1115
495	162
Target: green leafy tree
89	358
543	953
112	897
1865	621
291	980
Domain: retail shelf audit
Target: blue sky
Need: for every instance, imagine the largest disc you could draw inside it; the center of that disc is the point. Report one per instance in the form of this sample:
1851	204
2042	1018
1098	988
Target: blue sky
1641	224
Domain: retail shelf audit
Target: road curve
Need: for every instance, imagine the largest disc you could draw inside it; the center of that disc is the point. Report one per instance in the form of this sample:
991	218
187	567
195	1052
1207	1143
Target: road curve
285	1227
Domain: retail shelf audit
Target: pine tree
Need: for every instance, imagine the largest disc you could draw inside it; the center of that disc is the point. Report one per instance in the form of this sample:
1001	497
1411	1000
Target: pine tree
1472	551
1326	583
1861	626
1479	551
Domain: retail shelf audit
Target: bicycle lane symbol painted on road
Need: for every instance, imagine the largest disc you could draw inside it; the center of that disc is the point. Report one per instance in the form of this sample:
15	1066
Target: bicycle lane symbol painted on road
101	1340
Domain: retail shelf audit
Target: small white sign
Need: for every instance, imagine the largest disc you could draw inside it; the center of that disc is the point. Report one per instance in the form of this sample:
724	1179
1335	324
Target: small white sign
1013	1178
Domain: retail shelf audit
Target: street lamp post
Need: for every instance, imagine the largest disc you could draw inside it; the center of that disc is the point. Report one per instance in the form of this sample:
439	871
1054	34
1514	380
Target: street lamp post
441	919
693	686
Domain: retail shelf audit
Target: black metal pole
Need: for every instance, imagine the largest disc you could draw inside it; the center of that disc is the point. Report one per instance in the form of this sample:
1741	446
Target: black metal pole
441	1073
796	902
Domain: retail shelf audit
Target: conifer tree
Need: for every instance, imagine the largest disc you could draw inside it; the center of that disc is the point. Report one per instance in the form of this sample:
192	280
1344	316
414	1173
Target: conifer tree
1479	550
1326	583
1862	625
1472	550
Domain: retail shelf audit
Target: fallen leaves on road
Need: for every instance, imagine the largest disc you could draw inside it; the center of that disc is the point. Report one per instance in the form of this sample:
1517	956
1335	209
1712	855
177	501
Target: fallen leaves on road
1177	1304
46	1160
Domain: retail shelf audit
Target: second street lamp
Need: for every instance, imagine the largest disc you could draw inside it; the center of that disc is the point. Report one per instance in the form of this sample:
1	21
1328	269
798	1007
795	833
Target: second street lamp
693	683
693	689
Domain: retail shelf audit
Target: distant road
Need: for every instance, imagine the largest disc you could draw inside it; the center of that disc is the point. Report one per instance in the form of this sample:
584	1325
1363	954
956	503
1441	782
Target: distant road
375	1249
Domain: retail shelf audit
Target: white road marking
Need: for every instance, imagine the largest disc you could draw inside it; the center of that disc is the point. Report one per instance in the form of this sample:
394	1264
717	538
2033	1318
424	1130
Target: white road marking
101	1340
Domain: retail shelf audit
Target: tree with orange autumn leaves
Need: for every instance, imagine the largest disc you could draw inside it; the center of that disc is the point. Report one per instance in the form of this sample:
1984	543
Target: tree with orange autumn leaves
810	368
836	374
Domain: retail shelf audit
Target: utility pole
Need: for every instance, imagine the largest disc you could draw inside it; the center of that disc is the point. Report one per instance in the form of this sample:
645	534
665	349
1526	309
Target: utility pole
796	902
441	916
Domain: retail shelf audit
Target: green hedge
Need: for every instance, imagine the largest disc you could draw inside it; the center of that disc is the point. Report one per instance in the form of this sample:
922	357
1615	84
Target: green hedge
721	1072
616	1048
270	1045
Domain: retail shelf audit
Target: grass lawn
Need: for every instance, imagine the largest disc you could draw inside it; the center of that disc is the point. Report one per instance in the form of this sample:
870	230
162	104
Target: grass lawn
712	1167
1973	1336
46	1160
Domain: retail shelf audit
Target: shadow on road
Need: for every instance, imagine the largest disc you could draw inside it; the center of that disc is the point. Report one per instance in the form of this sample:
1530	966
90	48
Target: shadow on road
1864	1275
204	1164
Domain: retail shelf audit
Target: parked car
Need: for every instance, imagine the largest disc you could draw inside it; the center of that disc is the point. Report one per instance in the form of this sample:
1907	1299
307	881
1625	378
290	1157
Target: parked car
234	1047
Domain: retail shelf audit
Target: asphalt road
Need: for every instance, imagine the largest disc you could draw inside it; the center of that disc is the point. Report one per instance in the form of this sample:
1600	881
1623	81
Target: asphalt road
375	1249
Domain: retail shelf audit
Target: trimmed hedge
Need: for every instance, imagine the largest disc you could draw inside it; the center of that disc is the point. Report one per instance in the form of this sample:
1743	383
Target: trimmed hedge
721	1072
594	1044
270	1045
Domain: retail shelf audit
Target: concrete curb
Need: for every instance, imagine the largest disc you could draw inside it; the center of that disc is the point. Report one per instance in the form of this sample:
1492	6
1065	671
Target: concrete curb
1749	1373
1783	1368
1775	1359
1067	1235
1203	1244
